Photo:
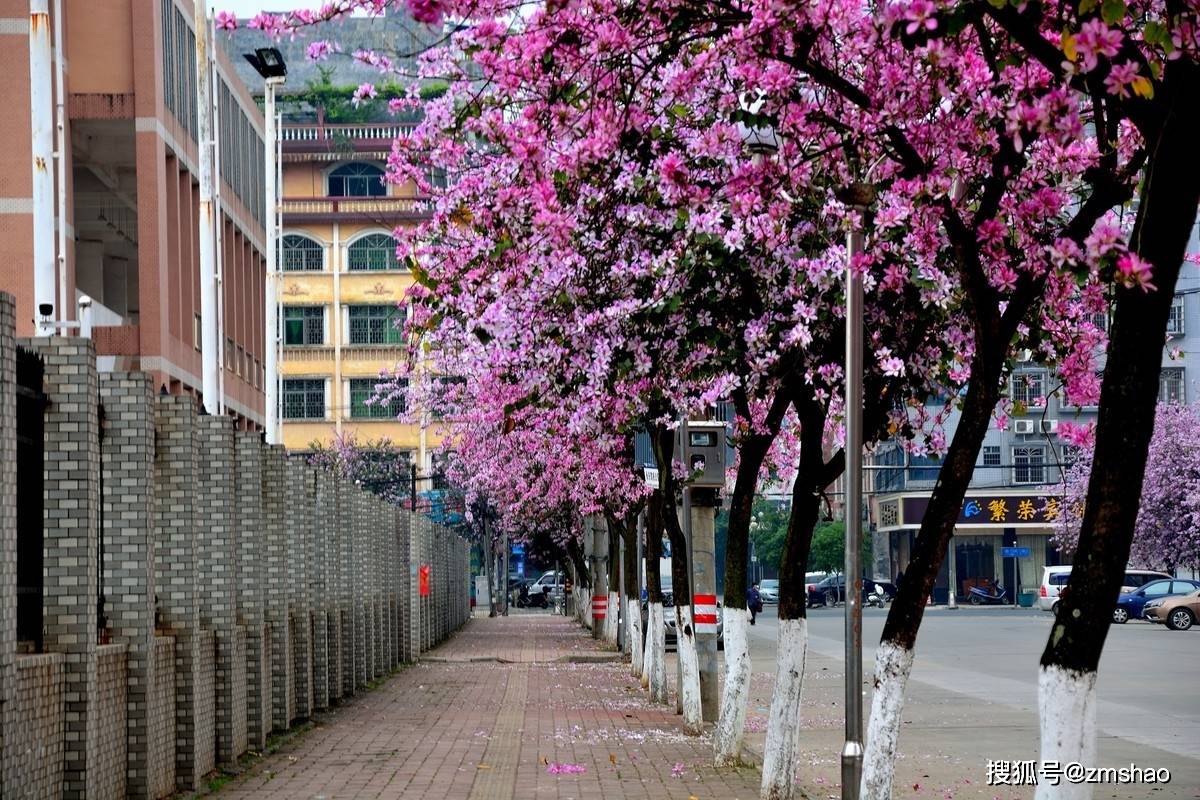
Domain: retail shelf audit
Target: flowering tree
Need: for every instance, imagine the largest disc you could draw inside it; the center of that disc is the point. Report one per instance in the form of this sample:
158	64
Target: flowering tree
604	196
1167	535
379	466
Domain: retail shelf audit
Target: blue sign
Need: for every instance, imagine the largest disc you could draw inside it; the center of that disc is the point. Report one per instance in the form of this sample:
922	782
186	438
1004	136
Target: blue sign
1014	552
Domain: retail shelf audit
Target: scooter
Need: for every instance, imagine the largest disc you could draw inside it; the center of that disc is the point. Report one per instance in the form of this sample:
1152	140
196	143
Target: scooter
877	596
980	596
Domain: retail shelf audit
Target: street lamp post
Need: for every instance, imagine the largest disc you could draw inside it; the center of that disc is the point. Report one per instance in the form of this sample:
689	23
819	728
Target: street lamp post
270	64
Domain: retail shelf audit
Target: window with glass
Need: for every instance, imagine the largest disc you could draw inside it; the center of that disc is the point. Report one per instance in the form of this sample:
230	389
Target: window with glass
1029	388
1171	386
891	478
376	251
991	455
357	180
1175	320
300	254
383	324
924	468
303	398
1029	465
367	403
303	325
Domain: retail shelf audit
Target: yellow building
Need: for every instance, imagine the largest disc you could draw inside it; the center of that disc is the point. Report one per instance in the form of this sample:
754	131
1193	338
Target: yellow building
341	286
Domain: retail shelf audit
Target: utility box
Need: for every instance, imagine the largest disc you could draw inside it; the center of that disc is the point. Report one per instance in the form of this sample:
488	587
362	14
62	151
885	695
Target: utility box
705	453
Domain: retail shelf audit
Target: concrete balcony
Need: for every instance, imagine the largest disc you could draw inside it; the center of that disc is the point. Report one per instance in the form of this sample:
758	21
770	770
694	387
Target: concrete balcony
385	211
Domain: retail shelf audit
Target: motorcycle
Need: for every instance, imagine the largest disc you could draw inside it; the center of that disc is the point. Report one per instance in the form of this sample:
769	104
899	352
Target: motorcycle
980	595
878	596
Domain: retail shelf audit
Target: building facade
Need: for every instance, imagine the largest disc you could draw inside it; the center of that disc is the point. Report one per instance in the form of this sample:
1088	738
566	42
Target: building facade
131	205
1008	516
342	290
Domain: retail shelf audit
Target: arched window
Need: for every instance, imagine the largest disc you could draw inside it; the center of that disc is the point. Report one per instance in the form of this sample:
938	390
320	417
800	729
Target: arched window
357	180
300	254
374	251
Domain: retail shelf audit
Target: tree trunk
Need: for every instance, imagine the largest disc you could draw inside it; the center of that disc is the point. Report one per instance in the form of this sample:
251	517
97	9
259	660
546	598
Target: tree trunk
687	657
656	633
633	603
613	620
735	696
782	745
893	659
1170	194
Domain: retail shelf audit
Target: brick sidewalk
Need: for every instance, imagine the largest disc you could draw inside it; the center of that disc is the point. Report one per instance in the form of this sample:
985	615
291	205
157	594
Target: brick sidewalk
484	715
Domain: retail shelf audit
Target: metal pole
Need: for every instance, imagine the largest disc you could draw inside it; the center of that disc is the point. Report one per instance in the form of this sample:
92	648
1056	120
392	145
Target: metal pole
687	514
208	268
41	105
852	751
219	217
412	471
952	600
60	145
271	340
85	317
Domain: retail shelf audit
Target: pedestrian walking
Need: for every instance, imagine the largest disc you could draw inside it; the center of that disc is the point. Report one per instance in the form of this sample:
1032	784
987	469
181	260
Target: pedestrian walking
754	602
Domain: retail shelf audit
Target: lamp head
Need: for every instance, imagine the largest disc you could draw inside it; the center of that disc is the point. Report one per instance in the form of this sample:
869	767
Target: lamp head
268	61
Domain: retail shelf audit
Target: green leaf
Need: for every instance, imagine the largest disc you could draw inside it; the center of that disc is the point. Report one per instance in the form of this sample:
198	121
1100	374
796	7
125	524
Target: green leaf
1086	7
1155	33
1113	11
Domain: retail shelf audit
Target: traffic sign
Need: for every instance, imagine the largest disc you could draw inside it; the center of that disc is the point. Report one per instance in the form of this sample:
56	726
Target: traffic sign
1014	552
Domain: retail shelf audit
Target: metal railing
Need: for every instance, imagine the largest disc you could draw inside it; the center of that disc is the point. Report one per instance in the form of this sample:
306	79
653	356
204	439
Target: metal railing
357	205
336	132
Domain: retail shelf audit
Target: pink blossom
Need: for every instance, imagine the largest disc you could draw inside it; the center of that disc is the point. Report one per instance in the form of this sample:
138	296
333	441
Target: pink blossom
363	93
922	14
1096	39
226	21
555	768
319	50
1135	272
1120	77
429	12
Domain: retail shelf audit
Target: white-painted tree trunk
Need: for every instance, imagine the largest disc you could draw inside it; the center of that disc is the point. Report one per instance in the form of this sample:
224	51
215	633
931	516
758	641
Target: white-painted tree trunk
586	609
735	695
689	665
783	726
657	643
893	665
611	621
1067	703
633	636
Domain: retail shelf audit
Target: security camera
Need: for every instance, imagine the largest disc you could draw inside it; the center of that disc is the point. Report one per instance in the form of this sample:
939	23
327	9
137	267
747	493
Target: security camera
45	309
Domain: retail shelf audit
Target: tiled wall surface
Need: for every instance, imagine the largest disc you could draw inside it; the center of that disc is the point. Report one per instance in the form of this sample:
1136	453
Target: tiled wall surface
242	589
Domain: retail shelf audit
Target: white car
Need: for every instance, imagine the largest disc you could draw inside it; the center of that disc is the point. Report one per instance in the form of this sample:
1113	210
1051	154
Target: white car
1055	578
549	582
768	590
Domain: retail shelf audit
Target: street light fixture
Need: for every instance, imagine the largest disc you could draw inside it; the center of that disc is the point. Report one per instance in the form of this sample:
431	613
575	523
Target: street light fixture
269	63
762	141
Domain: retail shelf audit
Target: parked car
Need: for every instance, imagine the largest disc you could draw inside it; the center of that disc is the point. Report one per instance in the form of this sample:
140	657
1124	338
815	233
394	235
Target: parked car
550	582
1055	578
827	592
768	590
1178	613
1131	604
669	615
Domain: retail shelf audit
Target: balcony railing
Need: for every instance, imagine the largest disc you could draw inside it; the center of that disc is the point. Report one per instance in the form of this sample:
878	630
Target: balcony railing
372	207
374	132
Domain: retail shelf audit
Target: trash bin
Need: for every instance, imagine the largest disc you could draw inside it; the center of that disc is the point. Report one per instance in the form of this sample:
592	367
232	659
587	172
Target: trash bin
1026	599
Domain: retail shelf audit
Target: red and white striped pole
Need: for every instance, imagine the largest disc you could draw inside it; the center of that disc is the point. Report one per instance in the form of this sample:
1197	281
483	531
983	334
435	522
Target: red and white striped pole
706	613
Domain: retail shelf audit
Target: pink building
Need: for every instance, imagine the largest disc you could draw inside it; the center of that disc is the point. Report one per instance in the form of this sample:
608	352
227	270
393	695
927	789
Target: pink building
133	195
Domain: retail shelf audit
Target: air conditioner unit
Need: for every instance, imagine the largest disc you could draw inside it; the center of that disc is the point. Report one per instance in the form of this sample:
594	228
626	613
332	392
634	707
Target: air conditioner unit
1049	426
1025	426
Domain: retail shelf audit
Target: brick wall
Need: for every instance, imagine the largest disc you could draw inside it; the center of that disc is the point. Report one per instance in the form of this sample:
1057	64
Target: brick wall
70	524
107	767
128	466
33	753
275	546
206	703
160	721
177	575
252	585
218	556
299	517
